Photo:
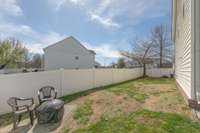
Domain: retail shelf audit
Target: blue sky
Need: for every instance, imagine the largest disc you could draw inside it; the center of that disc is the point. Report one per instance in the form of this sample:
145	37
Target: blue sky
106	26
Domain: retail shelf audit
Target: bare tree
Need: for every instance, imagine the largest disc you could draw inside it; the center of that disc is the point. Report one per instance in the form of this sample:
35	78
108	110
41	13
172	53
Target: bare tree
121	63
142	52
36	61
161	39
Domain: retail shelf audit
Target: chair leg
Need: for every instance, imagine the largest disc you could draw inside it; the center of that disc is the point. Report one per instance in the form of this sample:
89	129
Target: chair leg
31	117
14	121
35	112
19	118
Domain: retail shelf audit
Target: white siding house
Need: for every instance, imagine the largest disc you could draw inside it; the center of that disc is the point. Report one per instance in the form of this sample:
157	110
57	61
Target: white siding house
68	54
185	34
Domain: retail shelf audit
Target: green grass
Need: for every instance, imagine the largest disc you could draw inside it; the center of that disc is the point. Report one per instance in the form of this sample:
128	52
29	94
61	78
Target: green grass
83	113
156	81
144	121
5	119
130	90
69	98
75	96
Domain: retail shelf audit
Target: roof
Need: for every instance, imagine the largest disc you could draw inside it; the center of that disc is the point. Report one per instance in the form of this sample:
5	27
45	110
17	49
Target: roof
70	37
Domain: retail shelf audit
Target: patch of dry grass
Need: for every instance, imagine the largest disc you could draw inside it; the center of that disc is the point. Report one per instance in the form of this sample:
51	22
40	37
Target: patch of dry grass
154	102
156	95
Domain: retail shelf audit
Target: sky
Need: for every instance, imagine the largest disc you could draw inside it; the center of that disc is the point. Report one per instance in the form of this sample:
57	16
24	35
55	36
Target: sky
105	26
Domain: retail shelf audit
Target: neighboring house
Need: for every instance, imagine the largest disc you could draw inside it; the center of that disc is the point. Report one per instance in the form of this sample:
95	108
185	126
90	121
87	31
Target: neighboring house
186	36
132	64
166	63
97	64
68	54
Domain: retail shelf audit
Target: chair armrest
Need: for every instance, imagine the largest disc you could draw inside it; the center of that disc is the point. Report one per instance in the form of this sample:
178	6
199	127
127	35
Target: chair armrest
55	95
26	99
39	98
17	107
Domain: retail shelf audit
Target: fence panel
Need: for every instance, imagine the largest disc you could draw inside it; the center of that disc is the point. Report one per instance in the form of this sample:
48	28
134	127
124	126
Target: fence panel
65	81
25	85
103	77
77	80
159	72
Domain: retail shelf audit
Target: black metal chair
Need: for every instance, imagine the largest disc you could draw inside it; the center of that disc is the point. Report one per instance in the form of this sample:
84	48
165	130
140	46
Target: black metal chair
46	93
21	106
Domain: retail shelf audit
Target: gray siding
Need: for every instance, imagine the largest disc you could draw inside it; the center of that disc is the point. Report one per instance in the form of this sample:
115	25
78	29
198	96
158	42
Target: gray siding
68	54
183	45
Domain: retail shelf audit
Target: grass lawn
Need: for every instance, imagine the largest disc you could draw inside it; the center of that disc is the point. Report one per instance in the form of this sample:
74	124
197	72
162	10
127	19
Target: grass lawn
140	106
146	105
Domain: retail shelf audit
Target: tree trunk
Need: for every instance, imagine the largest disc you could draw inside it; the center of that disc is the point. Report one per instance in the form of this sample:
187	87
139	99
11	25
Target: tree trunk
161	52
144	70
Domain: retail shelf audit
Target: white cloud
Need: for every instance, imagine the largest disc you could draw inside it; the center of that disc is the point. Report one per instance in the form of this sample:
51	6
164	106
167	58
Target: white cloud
35	47
119	13
10	7
104	50
75	1
103	20
51	38
35	41
43	41
9	29
58	4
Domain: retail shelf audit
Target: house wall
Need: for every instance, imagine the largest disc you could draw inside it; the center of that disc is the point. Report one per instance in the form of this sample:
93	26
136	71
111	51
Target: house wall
182	39
57	60
65	81
63	55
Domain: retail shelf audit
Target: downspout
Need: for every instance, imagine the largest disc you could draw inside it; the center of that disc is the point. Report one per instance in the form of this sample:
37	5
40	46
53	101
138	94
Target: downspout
197	49
194	48
193	51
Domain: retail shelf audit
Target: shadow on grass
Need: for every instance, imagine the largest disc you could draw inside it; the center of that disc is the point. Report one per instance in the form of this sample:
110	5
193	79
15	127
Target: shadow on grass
144	121
7	118
69	98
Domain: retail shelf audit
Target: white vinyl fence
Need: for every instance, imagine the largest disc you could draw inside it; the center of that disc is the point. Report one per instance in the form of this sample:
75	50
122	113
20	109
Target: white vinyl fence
159	72
65	81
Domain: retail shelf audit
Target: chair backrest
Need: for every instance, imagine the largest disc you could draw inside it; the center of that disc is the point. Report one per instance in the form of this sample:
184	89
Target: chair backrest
12	101
47	92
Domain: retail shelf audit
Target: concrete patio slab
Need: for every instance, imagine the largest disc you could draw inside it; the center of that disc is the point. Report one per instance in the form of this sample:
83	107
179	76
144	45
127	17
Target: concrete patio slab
25	127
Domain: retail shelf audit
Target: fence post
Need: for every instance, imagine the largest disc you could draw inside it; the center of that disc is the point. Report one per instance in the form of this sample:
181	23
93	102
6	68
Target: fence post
61	80
93	78
112	70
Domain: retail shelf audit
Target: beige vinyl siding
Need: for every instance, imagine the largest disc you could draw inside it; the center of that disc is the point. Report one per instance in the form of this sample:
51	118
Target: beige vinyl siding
183	46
